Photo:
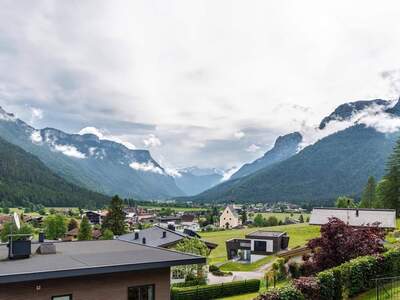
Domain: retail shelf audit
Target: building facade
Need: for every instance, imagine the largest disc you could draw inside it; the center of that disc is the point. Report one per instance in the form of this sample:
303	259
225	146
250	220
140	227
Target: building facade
229	218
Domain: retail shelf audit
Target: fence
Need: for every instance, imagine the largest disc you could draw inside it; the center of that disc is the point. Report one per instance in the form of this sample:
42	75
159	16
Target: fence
388	288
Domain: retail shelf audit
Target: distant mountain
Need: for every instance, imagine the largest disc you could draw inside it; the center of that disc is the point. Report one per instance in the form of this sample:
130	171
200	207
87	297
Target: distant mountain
338	164
195	180
96	164
24	178
347	110
285	146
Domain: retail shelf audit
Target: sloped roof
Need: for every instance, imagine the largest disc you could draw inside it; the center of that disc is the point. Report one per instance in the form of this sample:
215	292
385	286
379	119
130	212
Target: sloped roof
355	217
233	211
89	258
154	237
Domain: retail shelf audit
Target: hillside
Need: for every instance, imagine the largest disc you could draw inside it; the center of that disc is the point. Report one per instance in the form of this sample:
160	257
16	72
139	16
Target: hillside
23	177
285	147
193	180
336	165
96	164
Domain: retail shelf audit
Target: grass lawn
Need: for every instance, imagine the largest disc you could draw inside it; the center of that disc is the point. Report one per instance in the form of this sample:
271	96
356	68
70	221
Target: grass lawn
299	235
234	266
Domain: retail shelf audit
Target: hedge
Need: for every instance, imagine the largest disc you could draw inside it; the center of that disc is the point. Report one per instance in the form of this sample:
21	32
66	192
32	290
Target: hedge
355	276
212	291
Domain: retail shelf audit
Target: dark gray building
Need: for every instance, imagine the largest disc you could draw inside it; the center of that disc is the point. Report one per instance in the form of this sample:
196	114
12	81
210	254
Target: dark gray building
259	242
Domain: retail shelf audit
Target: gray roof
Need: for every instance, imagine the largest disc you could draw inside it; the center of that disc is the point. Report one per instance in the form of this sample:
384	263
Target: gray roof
355	217
154	237
264	233
88	258
233	210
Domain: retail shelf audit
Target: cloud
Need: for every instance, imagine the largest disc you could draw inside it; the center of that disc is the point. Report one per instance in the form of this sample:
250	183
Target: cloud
36	137
36	114
228	173
146	167
173	172
253	148
149	62
239	135
103	135
69	150
152	141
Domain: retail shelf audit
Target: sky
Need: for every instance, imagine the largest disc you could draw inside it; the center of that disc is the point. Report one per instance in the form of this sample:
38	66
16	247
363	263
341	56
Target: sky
205	83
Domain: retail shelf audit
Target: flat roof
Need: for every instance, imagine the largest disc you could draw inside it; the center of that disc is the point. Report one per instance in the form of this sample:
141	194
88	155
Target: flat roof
264	233
82	258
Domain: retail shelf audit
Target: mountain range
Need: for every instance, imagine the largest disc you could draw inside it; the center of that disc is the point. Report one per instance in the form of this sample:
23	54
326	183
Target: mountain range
339	163
194	180
25	180
99	165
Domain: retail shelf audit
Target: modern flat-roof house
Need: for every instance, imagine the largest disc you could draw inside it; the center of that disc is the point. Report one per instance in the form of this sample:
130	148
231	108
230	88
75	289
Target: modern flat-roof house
257	243
159	236
90	270
229	218
385	218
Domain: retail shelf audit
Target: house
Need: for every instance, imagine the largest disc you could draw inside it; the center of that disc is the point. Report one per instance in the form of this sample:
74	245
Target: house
90	270
257	243
4	219
229	218
194	226
71	234
159	236
95	217
385	218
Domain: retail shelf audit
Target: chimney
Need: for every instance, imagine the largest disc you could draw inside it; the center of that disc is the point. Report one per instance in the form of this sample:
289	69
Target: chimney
164	234
19	249
41	237
136	235
143	241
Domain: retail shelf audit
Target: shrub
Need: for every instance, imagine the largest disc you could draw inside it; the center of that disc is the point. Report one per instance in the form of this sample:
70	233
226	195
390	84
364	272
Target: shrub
279	268
196	282
213	268
309	287
285	293
295	269
213	291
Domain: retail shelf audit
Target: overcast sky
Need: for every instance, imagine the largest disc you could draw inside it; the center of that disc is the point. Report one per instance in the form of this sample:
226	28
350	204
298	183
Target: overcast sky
207	83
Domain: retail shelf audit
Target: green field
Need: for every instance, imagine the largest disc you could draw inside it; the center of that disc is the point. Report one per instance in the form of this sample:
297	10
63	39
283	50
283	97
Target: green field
299	235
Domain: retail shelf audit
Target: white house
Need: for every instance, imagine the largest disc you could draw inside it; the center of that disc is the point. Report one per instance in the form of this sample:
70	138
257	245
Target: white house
385	218
229	218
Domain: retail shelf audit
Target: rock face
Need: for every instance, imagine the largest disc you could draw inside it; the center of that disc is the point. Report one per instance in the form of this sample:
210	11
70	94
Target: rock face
285	146
338	164
99	165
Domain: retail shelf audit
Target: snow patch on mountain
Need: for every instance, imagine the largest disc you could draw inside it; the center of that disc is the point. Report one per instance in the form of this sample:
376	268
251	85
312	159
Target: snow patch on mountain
69	150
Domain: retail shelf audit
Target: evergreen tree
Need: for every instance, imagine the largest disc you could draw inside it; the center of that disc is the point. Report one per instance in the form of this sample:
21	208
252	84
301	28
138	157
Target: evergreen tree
73	223
115	219
244	215
390	187
301	219
368	198
85	231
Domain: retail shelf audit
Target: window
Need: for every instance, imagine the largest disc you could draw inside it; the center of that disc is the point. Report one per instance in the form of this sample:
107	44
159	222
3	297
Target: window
144	292
62	297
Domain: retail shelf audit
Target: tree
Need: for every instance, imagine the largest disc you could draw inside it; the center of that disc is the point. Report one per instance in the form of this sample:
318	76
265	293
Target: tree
259	220
107	235
73	223
368	198
272	221
301	219
55	226
340	243
345	202
115	218
389	188
25	229
85	231
192	246
244	215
